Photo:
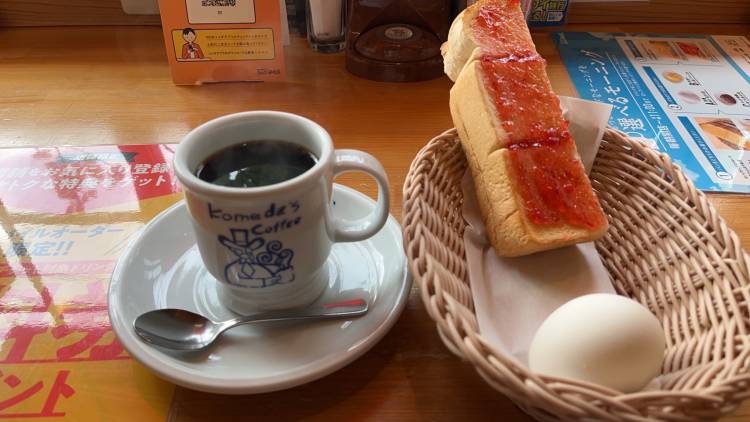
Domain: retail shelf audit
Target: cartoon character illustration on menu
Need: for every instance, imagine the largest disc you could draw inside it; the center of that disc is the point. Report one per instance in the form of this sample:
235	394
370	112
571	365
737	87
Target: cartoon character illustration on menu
191	50
259	263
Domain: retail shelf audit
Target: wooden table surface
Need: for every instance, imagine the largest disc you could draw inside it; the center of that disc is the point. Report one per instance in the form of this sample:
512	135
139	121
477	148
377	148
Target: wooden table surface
111	85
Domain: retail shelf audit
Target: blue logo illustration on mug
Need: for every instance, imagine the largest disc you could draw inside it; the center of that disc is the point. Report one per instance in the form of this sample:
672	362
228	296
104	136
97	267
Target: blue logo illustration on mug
259	263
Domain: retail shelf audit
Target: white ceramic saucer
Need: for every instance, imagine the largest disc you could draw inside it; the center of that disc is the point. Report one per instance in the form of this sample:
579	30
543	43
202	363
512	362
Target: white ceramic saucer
162	268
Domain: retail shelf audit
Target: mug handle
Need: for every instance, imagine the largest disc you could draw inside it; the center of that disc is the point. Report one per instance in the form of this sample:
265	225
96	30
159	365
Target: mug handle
348	160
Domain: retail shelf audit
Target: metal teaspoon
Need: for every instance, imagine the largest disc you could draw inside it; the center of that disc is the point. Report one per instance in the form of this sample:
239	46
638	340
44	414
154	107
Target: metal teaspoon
179	329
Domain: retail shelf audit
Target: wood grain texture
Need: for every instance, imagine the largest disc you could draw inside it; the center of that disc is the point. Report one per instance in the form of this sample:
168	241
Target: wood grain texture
109	12
68	12
114	88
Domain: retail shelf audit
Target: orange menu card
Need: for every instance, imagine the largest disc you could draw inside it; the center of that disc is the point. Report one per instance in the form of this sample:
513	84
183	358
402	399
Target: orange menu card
223	40
66	214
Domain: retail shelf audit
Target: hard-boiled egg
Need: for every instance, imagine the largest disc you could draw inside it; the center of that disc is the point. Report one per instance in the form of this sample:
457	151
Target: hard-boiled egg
600	338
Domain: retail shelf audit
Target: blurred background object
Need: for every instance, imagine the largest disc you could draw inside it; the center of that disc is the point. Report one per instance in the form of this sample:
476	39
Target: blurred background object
397	40
326	25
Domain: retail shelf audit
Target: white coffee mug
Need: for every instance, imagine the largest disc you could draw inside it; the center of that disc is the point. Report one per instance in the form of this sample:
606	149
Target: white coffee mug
268	246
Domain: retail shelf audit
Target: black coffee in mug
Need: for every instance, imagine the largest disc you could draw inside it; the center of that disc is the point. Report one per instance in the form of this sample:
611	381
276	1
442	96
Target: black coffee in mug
256	163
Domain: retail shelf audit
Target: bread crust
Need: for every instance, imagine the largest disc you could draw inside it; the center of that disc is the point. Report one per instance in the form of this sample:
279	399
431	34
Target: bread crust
460	44
469	98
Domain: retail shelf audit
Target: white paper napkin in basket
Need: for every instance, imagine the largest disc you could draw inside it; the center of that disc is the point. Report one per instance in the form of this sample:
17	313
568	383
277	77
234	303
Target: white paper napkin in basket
513	296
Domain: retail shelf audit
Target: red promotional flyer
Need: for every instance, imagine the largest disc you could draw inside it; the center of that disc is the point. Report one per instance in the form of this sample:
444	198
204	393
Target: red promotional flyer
66	215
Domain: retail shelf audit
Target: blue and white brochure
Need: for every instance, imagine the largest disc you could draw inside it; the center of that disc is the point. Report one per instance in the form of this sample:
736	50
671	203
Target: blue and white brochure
686	95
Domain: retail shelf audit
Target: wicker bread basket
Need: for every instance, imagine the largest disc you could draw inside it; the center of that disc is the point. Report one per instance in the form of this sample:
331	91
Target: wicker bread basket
667	248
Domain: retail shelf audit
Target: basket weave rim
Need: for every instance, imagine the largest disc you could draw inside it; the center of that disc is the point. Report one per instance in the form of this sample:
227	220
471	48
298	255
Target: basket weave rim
453	311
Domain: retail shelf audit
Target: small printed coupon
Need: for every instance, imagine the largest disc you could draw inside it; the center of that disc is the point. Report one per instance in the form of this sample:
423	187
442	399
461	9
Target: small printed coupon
223	40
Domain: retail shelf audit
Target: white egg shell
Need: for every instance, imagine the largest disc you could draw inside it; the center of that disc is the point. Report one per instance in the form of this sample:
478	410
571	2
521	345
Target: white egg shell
600	338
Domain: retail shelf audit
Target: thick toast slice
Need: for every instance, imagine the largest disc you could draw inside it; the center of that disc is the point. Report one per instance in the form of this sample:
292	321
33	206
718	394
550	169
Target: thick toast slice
531	186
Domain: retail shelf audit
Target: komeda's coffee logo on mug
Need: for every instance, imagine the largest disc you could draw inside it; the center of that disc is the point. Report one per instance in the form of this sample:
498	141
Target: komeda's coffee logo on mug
285	215
259	262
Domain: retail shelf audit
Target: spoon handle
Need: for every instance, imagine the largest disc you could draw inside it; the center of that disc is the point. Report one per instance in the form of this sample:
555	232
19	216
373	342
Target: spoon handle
346	308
